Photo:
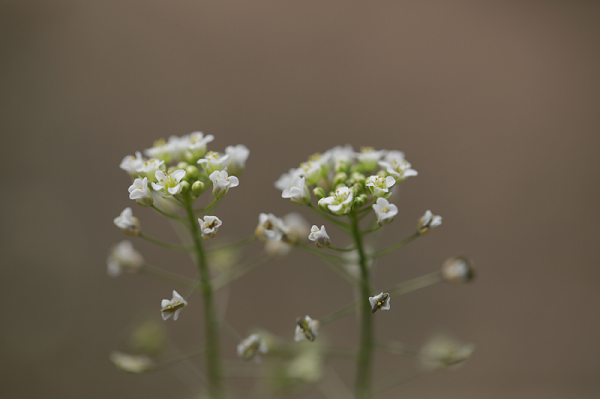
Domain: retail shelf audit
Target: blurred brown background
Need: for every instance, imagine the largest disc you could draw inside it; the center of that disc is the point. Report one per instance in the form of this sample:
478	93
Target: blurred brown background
495	103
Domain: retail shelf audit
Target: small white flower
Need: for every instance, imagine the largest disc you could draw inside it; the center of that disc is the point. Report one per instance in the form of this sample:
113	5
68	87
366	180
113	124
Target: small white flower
238	155
380	186
270	227
250	348
339	158
385	211
196	145
172	307
170	183
148	168
222	182
368	158
127	222
458	269
340	203
398	167
167	151
428	222
285	180
442	351
213	162
131	363
130	164
209	226
298	192
140	192
312	170
320	237
379	302
123	258
306	328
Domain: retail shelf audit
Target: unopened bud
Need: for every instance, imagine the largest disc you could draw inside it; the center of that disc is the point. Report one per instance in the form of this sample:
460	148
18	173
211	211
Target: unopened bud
185	186
340	178
319	192
458	269
182	165
198	188
192	172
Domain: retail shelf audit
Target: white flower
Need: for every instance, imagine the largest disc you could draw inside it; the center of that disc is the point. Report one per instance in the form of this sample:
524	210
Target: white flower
123	258
167	151
285	180
428	221
128	223
209	226
148	168
170	183
312	170
385	211
196	145
306	328
213	162
140	192
368	158
380	186
458	269
442	352
270	227
130	164
250	348
238	155
320	237
131	363
172	307
222	182
398	167
380	301
298	192
340	203
339	157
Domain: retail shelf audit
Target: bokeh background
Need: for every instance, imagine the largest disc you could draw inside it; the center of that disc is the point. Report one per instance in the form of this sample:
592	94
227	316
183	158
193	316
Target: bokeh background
495	103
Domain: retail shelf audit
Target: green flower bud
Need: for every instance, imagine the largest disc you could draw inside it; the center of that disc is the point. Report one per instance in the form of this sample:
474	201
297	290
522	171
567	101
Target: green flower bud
182	165
340	178
192	172
358	178
319	192
185	186
198	188
360	200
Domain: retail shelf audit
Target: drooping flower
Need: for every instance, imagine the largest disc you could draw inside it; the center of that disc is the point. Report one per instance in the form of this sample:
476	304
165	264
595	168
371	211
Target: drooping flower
251	347
131	164
213	162
380	186
134	364
384	211
140	192
237	156
398	167
458	269
209	226
320	237
428	222
380	302
172	307
222	182
123	258
170	183
340	203
298	192
306	328
128	223
442	351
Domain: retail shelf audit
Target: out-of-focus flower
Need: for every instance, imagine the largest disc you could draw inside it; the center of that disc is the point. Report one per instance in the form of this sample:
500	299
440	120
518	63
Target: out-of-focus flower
269	227
306	328
397	167
380	302
237	156
428	222
251	347
140	192
320	237
124	258
149	168
222	182
196	145
458	269
209	226
128	223
307	366
131	164
298	192
368	158
312	171
213	162
172	307
384	211
442	352
285	180
131	363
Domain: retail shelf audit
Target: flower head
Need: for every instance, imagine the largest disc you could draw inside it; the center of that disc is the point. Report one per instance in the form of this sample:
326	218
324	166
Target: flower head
209	226
306	328
428	222
140	192
168	183
250	348
320	237
385	211
222	182
124	258
172	307
458	269
379	302
298	191
128	223
340	202
237	156
397	167
380	186
212	162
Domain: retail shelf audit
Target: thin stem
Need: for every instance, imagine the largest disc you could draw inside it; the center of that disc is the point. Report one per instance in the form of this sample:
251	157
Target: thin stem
164	275
174	247
235	245
370	230
177	358
213	361
168	214
364	358
395	246
343	249
209	206
346	310
334	262
319	253
341	225
228	277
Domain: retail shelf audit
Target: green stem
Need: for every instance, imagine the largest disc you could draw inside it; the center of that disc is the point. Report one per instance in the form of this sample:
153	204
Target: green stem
208	207
235	245
343	249
230	276
395	246
168	214
174	247
339	224
164	275
364	358
332	261
213	361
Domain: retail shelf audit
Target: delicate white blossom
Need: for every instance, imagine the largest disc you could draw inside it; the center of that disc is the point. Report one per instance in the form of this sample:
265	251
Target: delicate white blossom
442	351
428	222
306	328
166	151
458	269
131	164
270	227
339	157
237	156
222	182
312	170
172	307
123	258
280	235
170	183
380	186
140	192
251	347
149	168
196	145
385	211
285	180
213	162
128	223
380	302
398	167
340	203
368	158
209	226
320	237
134	364
298	192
